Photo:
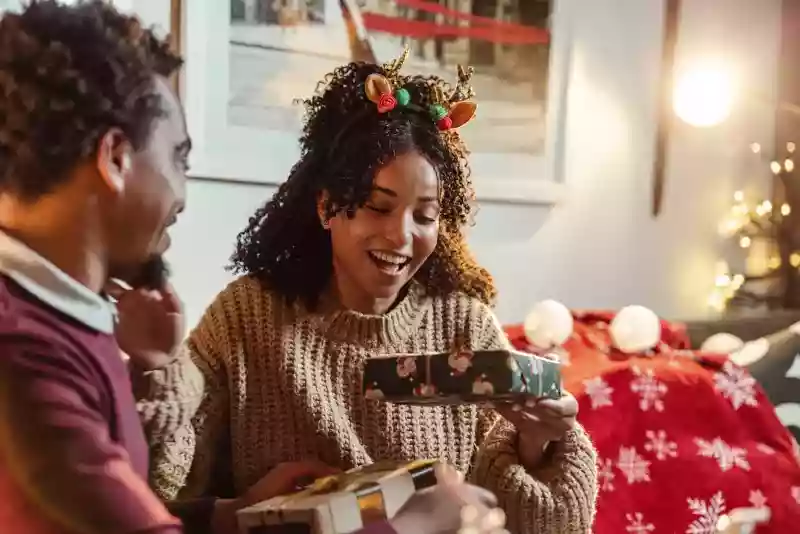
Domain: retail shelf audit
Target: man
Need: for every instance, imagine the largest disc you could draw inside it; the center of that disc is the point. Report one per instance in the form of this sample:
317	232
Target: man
93	156
93	152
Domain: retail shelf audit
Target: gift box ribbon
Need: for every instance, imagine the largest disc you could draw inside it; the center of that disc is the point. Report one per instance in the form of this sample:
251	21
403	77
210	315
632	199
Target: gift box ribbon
353	499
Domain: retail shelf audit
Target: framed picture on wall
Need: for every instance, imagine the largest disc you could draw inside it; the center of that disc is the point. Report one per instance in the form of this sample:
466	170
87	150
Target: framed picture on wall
248	61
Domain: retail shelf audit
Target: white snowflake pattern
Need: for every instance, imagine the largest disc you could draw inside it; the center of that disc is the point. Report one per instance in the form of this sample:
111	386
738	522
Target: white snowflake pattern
633	466
736	385
726	456
766	449
707	513
598	391
650	389
605	473
659	444
757	499
796	450
637	524
796	494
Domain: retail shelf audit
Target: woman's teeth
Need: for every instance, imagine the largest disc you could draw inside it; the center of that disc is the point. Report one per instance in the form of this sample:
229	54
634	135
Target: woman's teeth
388	261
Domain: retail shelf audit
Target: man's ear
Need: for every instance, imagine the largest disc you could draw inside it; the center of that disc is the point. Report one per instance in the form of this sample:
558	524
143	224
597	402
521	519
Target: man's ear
114	160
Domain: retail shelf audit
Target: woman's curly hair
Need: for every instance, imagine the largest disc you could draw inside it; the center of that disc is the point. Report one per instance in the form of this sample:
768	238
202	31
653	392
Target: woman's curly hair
68	74
345	141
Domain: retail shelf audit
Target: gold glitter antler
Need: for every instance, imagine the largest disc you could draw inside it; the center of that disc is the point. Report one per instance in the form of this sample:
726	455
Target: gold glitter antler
393	67
438	95
463	90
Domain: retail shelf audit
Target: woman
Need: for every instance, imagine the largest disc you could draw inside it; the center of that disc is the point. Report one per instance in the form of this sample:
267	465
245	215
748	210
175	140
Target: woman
361	252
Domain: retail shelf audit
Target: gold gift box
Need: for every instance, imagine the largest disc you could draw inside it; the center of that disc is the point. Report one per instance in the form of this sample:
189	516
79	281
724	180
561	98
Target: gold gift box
340	504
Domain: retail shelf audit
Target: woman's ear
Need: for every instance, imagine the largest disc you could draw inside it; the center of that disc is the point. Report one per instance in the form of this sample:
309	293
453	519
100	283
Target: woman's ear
322	212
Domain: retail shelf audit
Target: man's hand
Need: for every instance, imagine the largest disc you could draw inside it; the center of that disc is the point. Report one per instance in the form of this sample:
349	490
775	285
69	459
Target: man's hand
450	507
540	422
150	326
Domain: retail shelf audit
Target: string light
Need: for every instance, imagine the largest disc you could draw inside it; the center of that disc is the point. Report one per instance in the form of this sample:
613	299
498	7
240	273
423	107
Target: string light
725	287
754	225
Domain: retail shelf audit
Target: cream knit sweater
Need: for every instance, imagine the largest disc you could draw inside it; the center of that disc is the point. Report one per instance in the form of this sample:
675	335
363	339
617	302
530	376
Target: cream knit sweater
280	384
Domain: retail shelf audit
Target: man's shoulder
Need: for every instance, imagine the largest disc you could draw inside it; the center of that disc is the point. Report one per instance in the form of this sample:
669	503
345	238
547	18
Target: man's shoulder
23	316
30	331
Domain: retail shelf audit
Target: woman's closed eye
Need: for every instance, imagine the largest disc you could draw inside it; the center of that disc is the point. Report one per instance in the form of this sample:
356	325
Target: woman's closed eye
378	209
423	218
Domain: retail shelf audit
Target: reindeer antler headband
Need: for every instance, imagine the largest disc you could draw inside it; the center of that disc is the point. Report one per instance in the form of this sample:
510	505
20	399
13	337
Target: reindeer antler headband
447	111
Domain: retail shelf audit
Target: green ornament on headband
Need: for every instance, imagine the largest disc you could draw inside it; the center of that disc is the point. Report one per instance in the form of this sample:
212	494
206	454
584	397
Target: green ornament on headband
447	111
403	97
437	111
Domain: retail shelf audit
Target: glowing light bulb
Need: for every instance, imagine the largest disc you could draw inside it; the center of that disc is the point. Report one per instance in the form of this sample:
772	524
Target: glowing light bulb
755	147
764	208
744	242
794	259
786	209
704	95
788	165
738	196
775	167
790	147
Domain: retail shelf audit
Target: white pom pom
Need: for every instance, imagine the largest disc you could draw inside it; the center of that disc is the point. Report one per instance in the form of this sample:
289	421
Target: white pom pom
722	343
549	324
635	329
750	352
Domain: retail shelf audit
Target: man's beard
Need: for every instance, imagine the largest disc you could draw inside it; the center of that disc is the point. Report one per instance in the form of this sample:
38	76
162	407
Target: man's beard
153	274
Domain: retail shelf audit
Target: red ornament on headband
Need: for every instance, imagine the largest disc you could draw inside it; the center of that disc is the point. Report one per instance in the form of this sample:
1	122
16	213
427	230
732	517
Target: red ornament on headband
447	111
386	102
445	123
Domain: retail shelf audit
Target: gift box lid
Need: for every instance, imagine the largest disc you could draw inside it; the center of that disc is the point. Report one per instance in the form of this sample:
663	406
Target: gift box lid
343	503
460	377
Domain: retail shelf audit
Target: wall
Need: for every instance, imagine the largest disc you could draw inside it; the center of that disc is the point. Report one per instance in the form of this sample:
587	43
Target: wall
600	247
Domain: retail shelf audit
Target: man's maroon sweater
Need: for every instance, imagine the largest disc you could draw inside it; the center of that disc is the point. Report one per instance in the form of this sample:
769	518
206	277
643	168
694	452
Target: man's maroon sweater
73	456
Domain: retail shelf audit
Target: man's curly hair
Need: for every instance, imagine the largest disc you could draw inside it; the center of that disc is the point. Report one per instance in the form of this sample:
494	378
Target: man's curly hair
345	141
68	74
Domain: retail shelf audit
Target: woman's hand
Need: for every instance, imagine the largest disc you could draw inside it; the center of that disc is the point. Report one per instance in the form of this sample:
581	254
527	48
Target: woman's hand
539	422
150	324
284	478
450	507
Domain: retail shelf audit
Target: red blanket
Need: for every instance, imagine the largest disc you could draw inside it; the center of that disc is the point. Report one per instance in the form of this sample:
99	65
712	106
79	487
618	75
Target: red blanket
682	436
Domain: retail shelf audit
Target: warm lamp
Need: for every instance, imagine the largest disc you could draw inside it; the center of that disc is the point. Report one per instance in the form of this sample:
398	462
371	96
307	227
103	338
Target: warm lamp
703	95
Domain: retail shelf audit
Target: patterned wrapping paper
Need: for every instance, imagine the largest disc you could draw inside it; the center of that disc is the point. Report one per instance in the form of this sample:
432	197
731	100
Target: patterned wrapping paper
461	377
340	504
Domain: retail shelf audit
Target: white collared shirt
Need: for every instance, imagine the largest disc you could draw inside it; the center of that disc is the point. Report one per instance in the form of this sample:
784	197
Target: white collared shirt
54	287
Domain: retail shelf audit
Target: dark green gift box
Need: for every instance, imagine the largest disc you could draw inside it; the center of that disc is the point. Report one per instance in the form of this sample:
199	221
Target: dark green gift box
460	377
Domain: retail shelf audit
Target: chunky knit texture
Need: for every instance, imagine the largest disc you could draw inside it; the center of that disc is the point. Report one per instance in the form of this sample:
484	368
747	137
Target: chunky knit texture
281	384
